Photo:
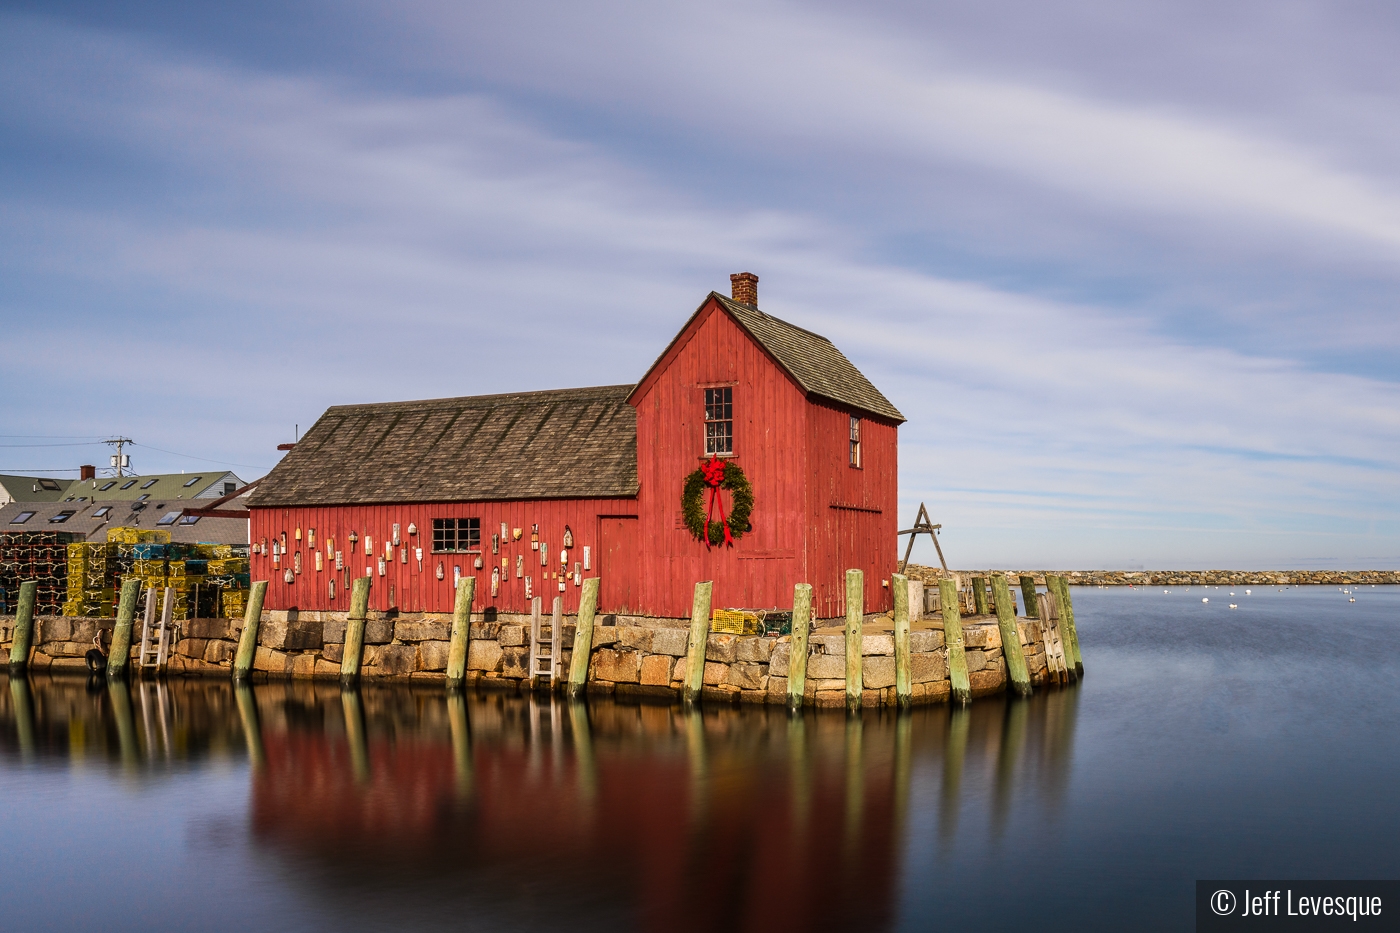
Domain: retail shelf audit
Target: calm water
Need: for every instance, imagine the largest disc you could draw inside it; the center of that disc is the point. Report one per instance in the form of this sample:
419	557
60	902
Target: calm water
1204	743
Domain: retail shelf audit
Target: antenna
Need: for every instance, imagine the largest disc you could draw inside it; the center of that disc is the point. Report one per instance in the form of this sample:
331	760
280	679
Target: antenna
119	460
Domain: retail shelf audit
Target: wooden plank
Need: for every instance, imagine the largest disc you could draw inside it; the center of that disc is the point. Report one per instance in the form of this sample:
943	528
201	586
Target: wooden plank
119	657
1028	595
459	638
855	634
23	638
797	660
583	638
534	679
979	596
953	640
355	632
248	638
1050	634
1011	650
699	639
903	685
1067	628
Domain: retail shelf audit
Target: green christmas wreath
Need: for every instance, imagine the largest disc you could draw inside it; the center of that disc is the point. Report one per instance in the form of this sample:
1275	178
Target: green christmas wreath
724	475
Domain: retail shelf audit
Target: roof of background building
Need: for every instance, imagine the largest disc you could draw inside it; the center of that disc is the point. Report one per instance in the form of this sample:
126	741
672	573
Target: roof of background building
31	488
565	443
85	520
158	486
810	359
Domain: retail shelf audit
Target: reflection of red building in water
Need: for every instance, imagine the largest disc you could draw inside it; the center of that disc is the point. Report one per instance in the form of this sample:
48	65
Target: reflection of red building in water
532	491
691	834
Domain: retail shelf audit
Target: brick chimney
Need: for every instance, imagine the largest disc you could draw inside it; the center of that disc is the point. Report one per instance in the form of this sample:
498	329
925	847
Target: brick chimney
745	285
87	471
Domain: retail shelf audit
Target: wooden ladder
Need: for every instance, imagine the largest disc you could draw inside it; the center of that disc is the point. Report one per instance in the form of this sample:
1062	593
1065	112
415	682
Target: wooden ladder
154	656
544	656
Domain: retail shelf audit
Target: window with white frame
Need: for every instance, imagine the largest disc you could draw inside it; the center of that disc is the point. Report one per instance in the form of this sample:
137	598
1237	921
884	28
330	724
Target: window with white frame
719	421
855	442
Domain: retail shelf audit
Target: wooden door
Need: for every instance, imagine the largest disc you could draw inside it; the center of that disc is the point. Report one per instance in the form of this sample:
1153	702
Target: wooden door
618	565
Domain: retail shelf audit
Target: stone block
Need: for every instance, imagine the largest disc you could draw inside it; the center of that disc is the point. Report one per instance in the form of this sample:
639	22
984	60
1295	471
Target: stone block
826	667
324	667
515	661
304	666
205	628
722	648
656	669
716	673
925	640
379	631
834	644
976	660
778	661
984	683
420	631
826	684
757	650
678	672
192	647
432	655
333	653
633	636
621	665
604	635
333	632
483	656
511	636
777	685
877	645
746	675
271	661
981	636
486	631
830	699
393	660
297	635
218	651
672	641
878	672
58	628
924	668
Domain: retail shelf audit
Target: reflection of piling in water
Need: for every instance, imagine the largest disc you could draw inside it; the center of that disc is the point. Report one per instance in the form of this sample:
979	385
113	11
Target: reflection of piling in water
252	726
24	714
460	727
855	784
800	773
120	696
1013	740
587	766
355	733
959	723
699	767
903	765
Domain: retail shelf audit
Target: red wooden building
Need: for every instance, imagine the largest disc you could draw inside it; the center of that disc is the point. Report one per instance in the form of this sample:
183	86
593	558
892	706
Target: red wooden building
531	492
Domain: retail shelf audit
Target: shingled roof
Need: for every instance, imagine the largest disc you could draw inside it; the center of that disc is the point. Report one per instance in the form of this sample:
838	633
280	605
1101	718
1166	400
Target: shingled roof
567	443
810	359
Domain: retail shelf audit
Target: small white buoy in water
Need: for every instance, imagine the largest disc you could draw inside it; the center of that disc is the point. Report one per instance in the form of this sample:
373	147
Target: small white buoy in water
1233	606
1247	592
1204	599
1352	599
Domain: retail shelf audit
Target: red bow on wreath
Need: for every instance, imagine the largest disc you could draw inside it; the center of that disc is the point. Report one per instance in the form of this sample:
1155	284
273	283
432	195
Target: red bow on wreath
714	475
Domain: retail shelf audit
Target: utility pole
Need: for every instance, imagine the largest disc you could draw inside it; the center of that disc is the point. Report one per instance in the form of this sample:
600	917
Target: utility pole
118	460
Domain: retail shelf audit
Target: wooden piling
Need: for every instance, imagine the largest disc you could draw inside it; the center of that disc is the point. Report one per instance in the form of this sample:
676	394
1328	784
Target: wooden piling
903	685
248	639
979	596
1028	595
1011	650
583	638
460	636
119	656
797	659
1068	632
699	640
1055	667
855	636
953	641
24	627
355	633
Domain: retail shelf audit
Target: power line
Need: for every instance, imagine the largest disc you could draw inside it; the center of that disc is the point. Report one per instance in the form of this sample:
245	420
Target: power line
83	444
251	466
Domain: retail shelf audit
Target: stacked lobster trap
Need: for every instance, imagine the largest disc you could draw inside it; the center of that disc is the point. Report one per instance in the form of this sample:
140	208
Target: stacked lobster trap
206	580
41	556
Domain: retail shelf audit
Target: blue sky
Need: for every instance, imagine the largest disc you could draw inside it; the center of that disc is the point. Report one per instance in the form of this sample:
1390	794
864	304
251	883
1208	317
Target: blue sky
1129	271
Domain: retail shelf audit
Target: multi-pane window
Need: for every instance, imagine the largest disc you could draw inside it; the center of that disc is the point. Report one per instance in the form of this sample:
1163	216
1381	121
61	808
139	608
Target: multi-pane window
456	535
719	421
855	441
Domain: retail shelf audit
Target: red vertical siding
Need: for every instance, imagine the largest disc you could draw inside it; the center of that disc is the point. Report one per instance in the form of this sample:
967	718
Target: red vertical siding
416	590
